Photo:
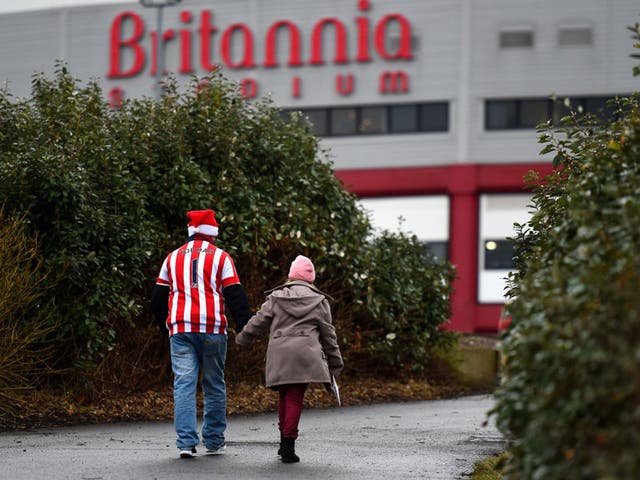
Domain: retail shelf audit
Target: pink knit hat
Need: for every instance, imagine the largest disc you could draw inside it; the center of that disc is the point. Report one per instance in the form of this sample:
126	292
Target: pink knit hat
302	269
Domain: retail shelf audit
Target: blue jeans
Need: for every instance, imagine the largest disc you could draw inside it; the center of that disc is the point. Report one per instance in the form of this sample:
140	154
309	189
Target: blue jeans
190	353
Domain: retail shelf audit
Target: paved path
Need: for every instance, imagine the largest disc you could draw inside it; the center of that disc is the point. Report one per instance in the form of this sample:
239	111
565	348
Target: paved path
418	440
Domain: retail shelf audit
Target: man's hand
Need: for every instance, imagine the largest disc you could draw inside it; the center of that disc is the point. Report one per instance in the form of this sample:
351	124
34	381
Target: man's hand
236	300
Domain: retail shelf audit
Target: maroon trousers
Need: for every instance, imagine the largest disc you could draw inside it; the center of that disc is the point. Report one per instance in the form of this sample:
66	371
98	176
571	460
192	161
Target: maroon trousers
290	408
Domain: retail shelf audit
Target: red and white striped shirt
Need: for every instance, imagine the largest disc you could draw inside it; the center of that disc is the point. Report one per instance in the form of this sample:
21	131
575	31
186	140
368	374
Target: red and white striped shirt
196	273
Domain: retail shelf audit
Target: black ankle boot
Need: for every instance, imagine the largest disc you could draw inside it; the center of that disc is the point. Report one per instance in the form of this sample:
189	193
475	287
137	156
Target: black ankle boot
289	450
280	447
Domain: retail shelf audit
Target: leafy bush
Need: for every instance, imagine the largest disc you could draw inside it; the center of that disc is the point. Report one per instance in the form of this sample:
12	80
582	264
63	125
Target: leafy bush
61	169
108	189
28	338
408	294
569	400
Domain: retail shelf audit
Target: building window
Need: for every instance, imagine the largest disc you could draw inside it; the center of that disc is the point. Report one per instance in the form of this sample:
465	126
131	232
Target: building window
516	38
440	250
532	113
434	117
501	114
601	107
404	118
498	254
377	119
513	114
575	36
497	215
425	216
598	106
319	121
343	121
373	120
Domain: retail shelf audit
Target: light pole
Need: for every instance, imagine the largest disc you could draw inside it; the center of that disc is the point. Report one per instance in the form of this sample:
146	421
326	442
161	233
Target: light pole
159	5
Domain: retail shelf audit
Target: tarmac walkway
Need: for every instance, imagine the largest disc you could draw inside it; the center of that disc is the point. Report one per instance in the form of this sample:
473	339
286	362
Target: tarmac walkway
431	440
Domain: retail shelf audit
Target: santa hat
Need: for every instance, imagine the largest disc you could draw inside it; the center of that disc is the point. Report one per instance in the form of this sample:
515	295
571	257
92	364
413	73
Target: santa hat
202	221
302	269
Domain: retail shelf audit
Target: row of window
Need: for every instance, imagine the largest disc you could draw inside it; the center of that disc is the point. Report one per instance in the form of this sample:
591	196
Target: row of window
567	36
500	114
378	119
528	113
522	36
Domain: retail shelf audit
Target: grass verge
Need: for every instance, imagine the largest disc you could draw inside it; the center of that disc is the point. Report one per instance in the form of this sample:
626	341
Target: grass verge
489	468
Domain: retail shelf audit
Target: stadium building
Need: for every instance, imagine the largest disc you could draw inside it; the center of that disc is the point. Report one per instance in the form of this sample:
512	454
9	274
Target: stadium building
428	107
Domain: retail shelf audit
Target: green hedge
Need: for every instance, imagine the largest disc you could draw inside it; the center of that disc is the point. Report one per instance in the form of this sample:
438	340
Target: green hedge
106	191
570	396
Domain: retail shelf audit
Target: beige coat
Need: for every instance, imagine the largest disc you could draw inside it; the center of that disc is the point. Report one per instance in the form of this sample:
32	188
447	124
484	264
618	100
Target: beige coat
303	346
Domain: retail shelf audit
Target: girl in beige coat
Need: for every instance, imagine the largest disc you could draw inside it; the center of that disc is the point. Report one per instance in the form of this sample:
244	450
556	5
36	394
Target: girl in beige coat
302	349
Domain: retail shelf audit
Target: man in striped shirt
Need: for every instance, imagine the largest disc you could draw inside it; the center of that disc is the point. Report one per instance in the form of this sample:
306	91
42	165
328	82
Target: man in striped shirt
196	282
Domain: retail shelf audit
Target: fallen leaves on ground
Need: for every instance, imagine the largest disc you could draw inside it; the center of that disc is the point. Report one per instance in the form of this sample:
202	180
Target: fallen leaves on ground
46	409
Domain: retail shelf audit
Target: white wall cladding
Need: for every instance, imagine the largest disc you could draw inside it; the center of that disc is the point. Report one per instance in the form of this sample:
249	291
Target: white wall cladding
380	151
28	42
457	59
547	68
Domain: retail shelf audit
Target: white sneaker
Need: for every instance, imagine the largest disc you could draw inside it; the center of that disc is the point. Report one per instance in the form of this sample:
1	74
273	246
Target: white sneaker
188	452
216	451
